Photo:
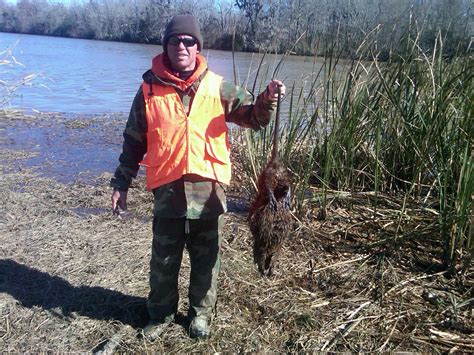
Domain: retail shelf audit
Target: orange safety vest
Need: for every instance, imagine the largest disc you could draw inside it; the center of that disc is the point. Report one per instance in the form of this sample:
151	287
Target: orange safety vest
178	144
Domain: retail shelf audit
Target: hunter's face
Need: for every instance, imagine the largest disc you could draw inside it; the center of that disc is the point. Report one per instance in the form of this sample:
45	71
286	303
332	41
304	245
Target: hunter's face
182	50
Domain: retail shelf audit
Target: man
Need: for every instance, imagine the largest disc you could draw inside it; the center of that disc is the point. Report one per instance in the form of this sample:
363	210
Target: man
177	130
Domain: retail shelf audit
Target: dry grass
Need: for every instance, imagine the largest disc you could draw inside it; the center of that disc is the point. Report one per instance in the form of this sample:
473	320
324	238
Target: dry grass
75	278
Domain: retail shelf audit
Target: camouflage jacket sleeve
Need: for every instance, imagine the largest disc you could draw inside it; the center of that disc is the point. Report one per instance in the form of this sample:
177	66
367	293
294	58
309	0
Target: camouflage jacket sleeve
134	144
240	109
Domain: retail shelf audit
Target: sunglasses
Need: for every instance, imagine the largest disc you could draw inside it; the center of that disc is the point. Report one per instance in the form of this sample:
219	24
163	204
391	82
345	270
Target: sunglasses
188	42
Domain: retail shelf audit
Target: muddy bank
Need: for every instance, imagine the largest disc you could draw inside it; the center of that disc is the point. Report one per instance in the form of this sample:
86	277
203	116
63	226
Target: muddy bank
64	147
75	278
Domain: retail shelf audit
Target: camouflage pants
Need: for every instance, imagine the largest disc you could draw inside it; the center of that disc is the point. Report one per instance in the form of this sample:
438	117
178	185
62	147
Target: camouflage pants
202	239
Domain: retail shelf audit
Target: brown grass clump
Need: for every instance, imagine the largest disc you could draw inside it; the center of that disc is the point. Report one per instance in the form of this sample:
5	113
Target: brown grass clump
73	277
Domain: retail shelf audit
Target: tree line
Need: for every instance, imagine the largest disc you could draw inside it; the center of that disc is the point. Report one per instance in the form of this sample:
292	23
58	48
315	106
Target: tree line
305	27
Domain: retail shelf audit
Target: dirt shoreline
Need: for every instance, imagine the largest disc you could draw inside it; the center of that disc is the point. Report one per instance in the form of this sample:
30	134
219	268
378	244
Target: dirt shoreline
75	278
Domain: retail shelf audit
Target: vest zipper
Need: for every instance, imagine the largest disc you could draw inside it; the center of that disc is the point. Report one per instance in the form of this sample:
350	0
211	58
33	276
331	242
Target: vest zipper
187	114
187	144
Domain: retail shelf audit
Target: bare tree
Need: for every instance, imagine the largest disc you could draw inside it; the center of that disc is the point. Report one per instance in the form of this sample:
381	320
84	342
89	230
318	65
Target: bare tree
274	25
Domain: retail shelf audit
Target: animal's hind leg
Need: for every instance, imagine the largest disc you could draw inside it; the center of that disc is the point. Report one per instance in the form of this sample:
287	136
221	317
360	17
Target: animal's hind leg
268	266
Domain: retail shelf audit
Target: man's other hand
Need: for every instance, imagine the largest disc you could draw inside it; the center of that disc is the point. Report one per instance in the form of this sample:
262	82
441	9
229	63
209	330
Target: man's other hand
119	201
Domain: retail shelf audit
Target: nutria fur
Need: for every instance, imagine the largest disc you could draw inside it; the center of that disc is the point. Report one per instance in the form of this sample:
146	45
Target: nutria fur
269	216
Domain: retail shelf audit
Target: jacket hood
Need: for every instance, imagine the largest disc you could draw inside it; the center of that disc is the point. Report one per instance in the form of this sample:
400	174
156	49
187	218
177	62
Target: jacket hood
161	68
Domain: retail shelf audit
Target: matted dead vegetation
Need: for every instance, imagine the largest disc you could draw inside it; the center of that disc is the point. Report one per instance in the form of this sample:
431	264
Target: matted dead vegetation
73	277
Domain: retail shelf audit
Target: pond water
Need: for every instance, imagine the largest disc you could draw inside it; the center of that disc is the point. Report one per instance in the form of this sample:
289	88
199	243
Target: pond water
90	77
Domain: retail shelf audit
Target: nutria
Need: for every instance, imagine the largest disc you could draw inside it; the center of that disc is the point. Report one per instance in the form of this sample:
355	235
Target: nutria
269	216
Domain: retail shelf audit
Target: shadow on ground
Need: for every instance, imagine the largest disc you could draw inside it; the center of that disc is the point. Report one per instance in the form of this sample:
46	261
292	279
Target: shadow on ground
32	288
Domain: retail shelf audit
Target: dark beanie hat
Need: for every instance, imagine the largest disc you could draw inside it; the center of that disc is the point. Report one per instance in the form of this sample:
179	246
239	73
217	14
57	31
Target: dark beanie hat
182	25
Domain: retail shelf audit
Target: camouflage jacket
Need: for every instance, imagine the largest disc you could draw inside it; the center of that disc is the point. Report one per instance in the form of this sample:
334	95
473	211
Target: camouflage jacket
191	196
